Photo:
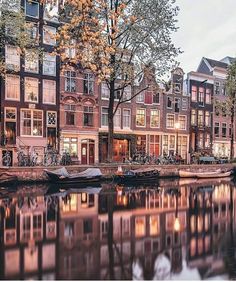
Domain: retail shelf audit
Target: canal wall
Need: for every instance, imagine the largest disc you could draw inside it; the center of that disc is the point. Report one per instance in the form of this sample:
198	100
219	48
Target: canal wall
36	174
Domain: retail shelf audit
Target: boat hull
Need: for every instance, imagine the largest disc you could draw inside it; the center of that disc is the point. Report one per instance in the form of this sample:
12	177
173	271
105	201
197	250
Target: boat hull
192	174
138	177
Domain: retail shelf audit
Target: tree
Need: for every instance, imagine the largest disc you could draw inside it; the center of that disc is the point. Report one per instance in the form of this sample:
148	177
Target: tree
231	102
117	40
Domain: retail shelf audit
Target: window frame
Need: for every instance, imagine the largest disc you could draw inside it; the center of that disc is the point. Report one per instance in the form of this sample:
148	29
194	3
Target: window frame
167	126
31	122
123	118
19	86
55	96
25	84
145	116
158	114
35	2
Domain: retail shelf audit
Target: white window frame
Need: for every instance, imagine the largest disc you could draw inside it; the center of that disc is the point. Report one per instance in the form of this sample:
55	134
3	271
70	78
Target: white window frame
129	110
31	62
49	29
52	125
167	121
105	89
104	126
185	122
44	96
118	117
25	85
18	86
21	123
8	58
47	64
138	100
158	111
145	118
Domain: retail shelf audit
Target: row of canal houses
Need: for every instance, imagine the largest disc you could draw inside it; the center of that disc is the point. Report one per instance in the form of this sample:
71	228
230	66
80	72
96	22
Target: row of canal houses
105	236
67	110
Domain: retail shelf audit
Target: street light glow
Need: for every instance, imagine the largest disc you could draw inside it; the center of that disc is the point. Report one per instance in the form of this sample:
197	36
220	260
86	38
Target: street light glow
177	125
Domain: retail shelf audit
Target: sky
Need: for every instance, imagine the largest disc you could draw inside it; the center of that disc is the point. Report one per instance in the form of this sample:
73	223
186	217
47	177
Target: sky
207	28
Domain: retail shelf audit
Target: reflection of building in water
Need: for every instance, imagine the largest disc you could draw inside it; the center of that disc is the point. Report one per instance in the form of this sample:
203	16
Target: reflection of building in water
28	243
210	220
143	230
78	248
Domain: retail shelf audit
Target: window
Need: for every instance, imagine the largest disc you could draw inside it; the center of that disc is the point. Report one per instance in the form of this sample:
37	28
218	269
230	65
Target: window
89	84
51	11
177	105
193	117
217	87
105	91
224	129
200	118
140	97
140	226
31	122
194	93
32	31
117	118
32	8
155	118
183	122
70	51
141	117
208	96
70	145
207	141
177	87
200	140
104	116
207	119
70	81
126	118
49	64
49	91
217	129
12	88
117	94
127	93
156	98
154	225
49	35
141	144
184	104
154	144
201	96
31	89
70	113
31	61
223	90
170	121
10	125
12	58
88	116
169	102
51	119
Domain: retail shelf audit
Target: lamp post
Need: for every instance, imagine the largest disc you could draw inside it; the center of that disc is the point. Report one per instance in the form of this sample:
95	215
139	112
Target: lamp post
177	126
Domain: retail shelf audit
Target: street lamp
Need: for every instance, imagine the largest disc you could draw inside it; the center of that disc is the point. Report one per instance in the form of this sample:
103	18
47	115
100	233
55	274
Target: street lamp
177	127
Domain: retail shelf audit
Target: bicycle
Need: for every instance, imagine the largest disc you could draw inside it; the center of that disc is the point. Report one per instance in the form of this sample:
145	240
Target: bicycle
6	159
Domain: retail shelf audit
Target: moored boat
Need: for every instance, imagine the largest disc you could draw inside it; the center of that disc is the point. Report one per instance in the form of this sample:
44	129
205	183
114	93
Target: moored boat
211	175
62	176
204	174
138	175
7	179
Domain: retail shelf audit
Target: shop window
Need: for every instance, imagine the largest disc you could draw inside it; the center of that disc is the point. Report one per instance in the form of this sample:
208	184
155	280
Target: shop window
70	145
141	144
154	145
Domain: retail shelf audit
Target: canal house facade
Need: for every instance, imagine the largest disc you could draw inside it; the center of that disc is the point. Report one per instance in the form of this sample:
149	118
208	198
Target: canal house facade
30	89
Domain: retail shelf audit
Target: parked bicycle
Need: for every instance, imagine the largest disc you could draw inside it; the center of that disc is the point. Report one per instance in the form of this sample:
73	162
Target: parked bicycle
66	159
51	158
7	159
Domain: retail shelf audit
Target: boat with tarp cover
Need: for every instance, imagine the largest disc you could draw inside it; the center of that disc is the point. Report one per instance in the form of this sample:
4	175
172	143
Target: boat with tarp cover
62	176
137	175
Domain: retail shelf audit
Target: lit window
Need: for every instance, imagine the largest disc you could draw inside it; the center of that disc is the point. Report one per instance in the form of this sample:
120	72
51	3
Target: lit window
140	226
12	87
12	58
140	117
154	225
31	89
49	35
70	145
194	93
170	121
49	64
31	61
49	91
155	118
31	122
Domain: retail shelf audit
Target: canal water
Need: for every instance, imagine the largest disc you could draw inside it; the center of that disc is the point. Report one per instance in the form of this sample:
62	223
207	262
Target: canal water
174	230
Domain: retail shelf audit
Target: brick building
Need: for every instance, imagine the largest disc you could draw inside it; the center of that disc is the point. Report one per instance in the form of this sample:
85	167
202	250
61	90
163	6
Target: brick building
29	92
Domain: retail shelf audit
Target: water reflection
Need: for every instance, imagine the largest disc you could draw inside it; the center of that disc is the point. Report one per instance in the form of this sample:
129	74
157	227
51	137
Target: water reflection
172	230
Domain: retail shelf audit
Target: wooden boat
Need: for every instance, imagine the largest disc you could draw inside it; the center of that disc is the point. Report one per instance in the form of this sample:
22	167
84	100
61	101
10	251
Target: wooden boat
62	176
138	175
192	174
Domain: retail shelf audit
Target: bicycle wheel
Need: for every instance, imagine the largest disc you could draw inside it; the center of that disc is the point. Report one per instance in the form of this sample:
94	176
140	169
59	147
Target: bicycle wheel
6	160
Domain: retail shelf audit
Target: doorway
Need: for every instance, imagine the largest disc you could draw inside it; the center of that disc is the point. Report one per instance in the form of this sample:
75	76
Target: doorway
87	151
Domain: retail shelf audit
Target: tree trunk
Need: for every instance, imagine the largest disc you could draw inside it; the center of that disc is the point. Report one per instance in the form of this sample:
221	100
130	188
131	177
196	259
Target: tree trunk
110	122
232	133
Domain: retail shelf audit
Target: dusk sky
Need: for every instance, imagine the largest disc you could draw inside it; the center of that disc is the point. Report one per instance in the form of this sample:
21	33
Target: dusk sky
207	28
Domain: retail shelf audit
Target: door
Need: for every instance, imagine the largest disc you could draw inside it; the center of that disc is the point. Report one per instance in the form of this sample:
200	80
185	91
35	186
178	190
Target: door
84	154
91	153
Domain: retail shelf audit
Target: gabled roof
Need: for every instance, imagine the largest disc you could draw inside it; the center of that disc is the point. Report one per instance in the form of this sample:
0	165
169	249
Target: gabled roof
214	63
228	60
